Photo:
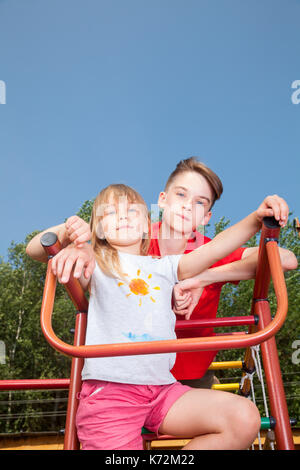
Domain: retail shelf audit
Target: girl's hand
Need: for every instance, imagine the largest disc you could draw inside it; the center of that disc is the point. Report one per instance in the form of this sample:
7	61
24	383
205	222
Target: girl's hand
186	295
82	260
274	206
78	231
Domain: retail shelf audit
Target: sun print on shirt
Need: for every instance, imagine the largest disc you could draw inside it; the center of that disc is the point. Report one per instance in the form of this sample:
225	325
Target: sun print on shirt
140	287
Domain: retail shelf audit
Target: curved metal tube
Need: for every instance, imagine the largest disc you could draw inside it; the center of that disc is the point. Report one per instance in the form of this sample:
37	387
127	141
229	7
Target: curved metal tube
176	345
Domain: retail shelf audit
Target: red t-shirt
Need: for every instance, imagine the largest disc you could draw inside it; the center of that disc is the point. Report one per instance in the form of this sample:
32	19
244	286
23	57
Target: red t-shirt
193	365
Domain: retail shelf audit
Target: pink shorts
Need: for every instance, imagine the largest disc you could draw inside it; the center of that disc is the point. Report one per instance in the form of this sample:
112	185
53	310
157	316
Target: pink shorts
111	415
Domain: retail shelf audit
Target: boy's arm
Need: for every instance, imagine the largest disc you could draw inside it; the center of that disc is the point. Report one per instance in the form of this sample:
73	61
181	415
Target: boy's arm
74	230
288	259
240	270
34	248
187	293
230	239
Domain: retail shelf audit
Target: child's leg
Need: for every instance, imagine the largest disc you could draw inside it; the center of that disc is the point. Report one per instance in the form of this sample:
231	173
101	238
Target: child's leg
215	420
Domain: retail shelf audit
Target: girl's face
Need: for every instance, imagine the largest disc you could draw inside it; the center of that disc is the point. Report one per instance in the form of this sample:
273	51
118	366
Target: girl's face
123	223
186	204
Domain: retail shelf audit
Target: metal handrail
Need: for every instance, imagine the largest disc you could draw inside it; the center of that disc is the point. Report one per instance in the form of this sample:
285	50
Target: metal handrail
268	251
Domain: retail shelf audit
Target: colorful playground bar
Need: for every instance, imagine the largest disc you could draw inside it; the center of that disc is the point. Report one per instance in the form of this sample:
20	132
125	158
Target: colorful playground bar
262	329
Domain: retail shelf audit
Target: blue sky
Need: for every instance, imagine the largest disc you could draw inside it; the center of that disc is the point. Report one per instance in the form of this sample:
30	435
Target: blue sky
104	91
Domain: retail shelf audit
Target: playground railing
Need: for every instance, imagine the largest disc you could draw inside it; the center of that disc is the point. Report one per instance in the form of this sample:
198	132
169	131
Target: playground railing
262	329
269	265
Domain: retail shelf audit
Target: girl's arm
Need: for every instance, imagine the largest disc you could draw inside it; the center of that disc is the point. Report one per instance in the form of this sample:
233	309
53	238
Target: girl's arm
187	293
240	270
80	261
230	239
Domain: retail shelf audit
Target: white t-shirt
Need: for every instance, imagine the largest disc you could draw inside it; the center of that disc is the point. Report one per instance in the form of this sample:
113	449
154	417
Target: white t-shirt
137	309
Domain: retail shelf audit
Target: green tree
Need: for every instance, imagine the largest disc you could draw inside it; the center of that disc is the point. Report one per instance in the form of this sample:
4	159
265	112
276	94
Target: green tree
28	355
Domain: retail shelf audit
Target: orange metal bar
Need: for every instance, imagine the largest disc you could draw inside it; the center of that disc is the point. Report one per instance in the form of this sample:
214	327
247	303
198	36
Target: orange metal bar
155	347
52	246
71	442
183	344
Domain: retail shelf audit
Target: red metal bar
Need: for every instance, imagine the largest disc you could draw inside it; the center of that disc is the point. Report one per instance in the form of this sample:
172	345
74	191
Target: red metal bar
278	405
215	322
71	441
260	291
270	231
268	264
239	333
34	384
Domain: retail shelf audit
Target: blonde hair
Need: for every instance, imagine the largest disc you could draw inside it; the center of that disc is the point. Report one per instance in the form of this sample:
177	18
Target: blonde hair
193	164
106	255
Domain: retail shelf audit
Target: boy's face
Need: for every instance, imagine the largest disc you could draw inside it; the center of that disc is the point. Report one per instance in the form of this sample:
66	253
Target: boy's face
186	204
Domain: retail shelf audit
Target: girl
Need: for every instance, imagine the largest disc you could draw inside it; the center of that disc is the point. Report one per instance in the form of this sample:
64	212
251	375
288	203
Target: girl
131	301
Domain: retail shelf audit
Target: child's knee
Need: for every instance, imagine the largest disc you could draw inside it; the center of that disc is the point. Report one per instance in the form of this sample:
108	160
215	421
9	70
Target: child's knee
253	417
247	423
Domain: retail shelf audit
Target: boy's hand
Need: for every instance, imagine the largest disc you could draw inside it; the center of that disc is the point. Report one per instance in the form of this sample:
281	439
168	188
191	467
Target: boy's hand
81	259
186	295
78	231
274	206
